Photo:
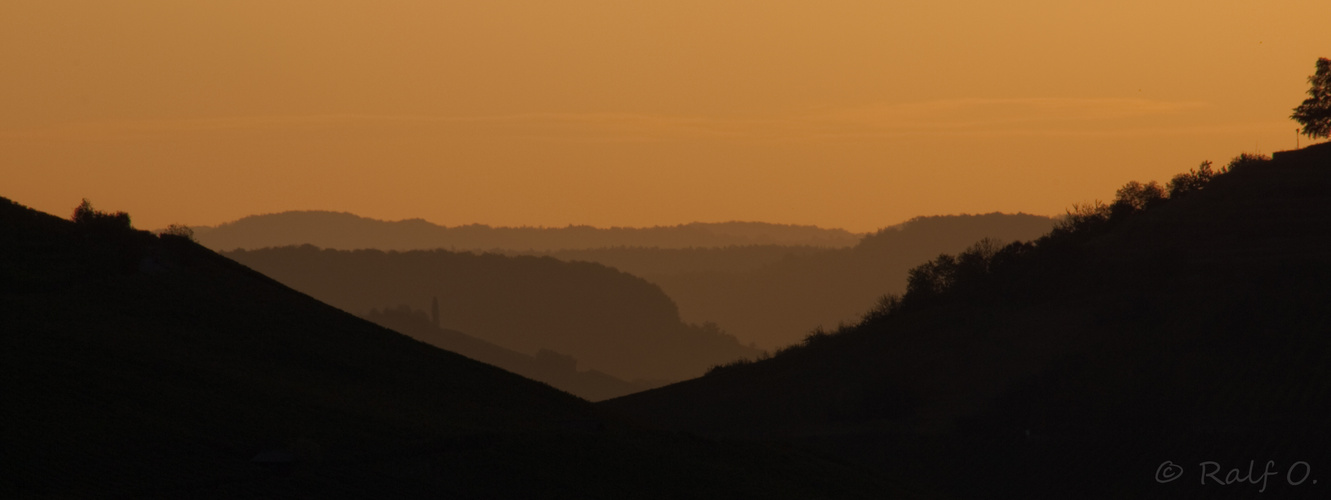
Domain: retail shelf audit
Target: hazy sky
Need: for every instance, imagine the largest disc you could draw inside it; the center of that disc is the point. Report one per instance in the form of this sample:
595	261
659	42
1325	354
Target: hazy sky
855	114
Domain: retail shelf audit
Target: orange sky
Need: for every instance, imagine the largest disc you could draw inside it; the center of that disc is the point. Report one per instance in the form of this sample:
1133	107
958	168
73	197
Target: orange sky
855	113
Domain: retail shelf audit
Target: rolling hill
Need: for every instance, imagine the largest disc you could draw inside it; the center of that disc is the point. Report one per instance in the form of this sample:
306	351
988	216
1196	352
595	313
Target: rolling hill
769	294
344	231
558	370
778	303
1152	333
134	365
765	284
608	320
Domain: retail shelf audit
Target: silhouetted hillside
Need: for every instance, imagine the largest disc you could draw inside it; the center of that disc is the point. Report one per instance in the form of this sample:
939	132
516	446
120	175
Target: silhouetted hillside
778	303
138	366
547	366
608	320
1184	324
346	231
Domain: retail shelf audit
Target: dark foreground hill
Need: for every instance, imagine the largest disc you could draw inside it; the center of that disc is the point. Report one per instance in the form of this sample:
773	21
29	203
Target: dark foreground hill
1131	352
133	365
344	231
607	320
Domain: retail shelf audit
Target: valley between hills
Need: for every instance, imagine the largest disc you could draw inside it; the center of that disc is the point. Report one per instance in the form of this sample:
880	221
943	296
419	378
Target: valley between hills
1181	323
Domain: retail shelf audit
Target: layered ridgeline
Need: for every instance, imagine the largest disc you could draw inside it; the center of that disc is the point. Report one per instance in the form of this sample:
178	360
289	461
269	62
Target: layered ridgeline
606	319
339	230
766	294
1183	326
139	366
778	303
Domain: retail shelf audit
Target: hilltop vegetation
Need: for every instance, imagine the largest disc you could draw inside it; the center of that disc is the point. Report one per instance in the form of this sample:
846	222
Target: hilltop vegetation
1183	322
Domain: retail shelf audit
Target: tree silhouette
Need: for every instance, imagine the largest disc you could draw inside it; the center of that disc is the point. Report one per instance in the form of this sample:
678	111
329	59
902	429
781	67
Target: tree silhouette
1315	112
179	230
1194	180
1135	196
87	216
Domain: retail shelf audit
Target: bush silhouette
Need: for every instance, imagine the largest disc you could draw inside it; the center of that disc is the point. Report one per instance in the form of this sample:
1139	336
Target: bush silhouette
947	272
1135	196
179	231
1244	160
1082	217
107	227
86	216
1190	181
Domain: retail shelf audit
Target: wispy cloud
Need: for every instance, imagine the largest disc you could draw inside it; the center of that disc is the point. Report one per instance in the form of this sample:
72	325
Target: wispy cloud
962	117
997	113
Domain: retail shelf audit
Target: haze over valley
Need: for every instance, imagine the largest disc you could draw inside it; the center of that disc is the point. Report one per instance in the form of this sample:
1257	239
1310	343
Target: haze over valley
695	249
731	275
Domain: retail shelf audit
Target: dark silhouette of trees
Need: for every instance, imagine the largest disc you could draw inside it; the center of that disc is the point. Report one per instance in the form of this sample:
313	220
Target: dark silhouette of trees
932	278
1199	177
1244	160
944	273
1083	217
971	272
1191	181
1315	112
85	215
1135	196
993	272
179	230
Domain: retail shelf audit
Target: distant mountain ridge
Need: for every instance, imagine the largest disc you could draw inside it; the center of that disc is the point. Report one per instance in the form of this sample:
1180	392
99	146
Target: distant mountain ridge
346	231
770	294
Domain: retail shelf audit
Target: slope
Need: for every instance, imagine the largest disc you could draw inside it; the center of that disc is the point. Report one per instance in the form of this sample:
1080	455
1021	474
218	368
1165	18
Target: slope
777	304
558	370
141	366
607	320
1186	331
